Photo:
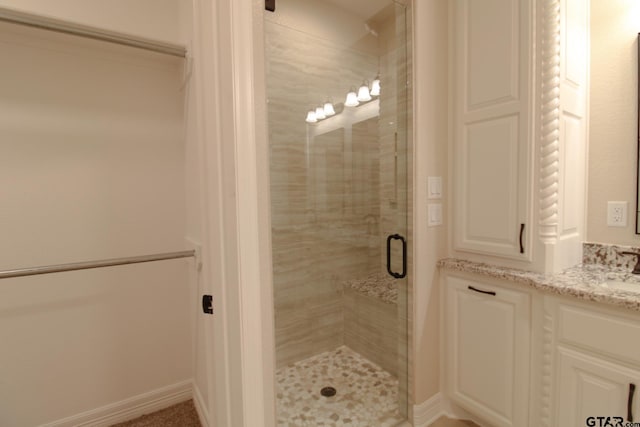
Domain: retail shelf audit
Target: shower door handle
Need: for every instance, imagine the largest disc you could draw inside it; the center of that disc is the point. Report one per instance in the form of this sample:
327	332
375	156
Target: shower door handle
404	256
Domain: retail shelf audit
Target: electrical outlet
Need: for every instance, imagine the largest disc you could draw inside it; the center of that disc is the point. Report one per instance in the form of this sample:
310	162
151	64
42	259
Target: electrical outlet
617	214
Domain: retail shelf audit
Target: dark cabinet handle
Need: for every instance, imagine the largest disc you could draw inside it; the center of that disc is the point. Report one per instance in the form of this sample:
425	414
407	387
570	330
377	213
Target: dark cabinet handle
404	256
481	291
632	390
521	237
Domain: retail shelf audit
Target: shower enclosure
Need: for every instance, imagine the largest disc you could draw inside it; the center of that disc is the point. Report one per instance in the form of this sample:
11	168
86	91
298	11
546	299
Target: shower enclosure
338	118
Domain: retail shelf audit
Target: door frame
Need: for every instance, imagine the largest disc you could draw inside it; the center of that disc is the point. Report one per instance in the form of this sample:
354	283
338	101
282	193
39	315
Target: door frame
243	369
240	345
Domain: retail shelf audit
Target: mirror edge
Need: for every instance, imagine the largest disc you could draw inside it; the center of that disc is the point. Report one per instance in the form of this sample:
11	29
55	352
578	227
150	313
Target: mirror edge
637	212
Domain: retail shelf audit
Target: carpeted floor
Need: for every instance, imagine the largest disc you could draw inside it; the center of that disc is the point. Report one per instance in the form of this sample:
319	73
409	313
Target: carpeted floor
181	415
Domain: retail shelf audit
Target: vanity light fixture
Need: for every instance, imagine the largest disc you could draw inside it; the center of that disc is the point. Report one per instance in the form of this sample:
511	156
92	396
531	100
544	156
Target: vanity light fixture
363	93
375	86
320	115
328	109
311	117
352	98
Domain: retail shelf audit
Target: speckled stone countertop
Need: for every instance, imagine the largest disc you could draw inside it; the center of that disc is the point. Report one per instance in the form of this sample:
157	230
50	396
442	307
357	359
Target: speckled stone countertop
376	285
587	281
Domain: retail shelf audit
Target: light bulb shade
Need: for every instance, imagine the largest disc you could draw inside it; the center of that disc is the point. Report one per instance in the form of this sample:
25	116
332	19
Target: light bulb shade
311	117
363	93
352	99
375	87
328	109
320	113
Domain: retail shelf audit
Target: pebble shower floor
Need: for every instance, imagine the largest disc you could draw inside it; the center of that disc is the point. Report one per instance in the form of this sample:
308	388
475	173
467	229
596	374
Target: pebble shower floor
367	395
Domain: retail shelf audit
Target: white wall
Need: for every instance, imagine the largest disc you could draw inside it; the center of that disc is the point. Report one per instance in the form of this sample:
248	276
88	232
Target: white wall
430	142
154	19
91	167
347	28
613	121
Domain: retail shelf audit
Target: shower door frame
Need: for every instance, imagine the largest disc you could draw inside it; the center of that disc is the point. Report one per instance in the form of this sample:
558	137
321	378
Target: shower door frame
245	375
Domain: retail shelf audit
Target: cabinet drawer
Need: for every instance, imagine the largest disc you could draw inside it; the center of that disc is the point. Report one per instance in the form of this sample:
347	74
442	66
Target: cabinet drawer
605	333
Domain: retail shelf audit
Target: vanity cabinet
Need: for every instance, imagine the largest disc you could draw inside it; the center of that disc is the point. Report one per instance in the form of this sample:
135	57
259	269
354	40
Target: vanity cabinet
596	354
487	343
517	356
591	387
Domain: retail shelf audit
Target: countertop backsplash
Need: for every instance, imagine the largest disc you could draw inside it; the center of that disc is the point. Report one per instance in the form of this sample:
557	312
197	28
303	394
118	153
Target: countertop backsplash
608	255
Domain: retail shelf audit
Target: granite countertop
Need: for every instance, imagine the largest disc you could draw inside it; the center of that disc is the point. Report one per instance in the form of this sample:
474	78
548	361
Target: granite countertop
585	281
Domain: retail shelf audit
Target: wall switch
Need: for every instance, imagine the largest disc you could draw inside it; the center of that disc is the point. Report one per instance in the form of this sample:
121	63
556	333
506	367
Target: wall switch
435	187
435	214
617	214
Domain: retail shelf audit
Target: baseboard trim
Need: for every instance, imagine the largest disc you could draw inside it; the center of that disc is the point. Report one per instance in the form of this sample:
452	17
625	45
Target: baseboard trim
129	408
428	411
201	406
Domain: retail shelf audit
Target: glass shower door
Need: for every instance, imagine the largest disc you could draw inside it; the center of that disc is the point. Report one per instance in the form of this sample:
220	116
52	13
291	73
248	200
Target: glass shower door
338	118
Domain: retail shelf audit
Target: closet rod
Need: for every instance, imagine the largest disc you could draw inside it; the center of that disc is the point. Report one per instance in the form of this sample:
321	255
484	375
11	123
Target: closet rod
94	264
65	27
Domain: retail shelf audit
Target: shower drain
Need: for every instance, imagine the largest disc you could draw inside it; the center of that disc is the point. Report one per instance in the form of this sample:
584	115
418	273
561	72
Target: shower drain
328	391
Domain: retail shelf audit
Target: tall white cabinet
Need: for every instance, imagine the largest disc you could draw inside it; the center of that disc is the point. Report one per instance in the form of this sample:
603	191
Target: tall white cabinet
492	138
519	98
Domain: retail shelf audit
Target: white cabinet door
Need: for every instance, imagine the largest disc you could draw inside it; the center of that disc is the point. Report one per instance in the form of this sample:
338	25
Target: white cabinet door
491	127
594	392
488	339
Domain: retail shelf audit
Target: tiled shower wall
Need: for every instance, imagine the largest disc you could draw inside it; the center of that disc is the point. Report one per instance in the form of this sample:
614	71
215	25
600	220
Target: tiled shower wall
333	202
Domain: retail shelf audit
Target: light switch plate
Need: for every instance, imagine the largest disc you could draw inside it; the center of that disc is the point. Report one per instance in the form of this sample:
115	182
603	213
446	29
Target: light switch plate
435	214
434	187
